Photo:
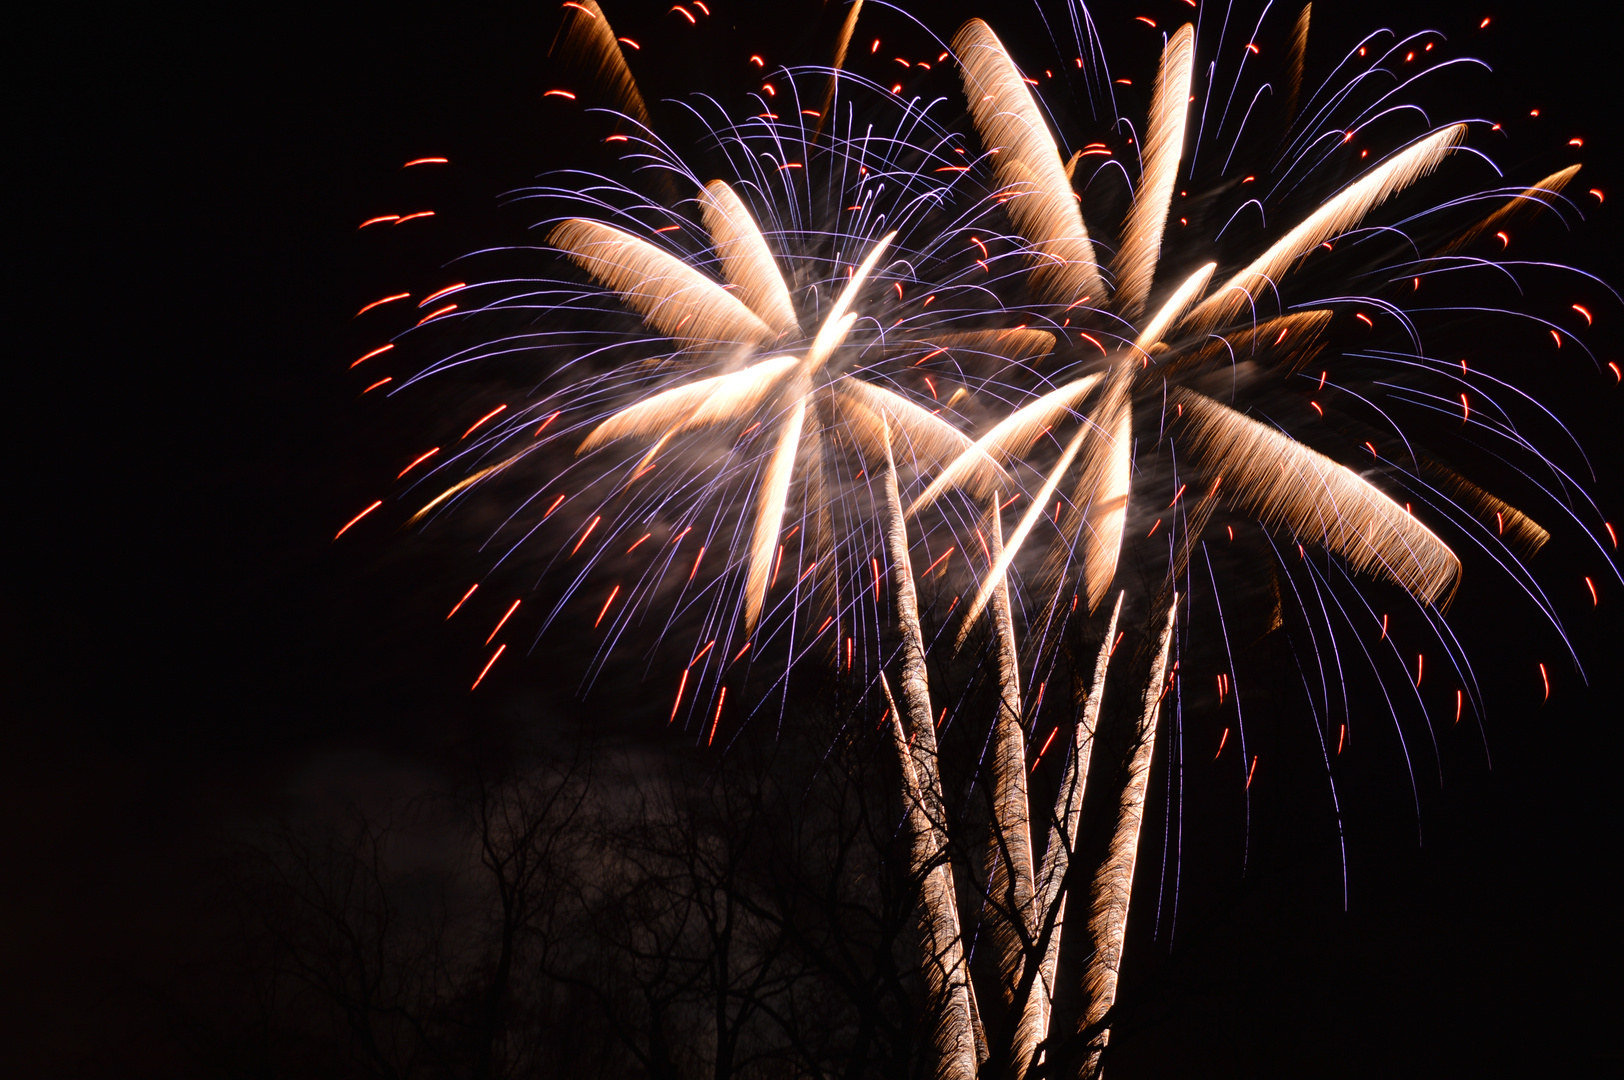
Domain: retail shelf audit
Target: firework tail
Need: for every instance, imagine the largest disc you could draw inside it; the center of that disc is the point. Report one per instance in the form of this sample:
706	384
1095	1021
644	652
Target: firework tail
842	43
1285	484
1010	438
672	296
1337	216
770	509
586	42
1112	888
1521	531
1028	168
947	974
745	258
1050	911
1299	56
1135	264
1542	195
1186	294
1009	884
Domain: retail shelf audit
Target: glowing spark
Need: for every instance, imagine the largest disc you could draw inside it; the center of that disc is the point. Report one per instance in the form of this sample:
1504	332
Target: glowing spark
380	382
720	698
357	517
488	665
1595	598
503	621
1546	679
379	351
435	314
1038	760
697	559
1581	309
593	525
482	419
1222	739
417	461
680	10
1250	771
379	220
463	601
675	705
556	504
385	300
612	594
1460	704
426	161
414	217
447	291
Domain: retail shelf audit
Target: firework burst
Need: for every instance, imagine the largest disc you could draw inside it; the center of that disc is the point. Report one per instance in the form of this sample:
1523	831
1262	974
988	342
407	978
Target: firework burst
892	315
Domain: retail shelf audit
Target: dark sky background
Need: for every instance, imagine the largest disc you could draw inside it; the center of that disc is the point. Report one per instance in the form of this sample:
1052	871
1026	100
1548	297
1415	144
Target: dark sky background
184	650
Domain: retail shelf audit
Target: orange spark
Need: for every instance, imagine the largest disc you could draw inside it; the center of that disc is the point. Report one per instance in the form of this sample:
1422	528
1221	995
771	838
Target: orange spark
447	291
629	41
1546	679
379	220
593	524
1581	309
1222	739
358	517
679	9
1362	317
720	698
1465	409
1153	529
553	507
1419	660
1045	749
697	559
379	351
503	620
489	664
825	625
426	161
559	93
1595	598
464	599
612	593
380	382
1250	771
640	539
413	217
740	653
385	300
937	563
436	313
418	460
1460	703
1176	495
482	419
675	705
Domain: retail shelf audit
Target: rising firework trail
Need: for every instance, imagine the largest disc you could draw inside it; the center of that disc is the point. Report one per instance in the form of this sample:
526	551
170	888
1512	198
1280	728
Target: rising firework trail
862	316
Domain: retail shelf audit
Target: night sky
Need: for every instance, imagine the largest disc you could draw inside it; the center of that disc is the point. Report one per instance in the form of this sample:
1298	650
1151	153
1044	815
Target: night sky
185	651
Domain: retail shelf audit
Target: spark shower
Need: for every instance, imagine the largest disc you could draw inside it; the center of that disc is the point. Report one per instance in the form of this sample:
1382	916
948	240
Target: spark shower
932	365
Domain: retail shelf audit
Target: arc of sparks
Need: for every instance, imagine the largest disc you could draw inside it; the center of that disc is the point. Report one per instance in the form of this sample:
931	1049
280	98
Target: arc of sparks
1284	483
1135	264
1027	165
672	296
586	40
1010	438
1541	195
1337	216
1186	294
746	260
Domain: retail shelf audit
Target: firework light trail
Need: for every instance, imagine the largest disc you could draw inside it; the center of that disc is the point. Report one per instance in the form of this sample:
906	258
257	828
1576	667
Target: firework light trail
1117	344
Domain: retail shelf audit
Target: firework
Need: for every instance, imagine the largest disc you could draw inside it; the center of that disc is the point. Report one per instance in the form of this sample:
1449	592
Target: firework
869	331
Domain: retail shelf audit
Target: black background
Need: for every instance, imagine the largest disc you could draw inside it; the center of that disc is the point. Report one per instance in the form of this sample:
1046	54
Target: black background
184	649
